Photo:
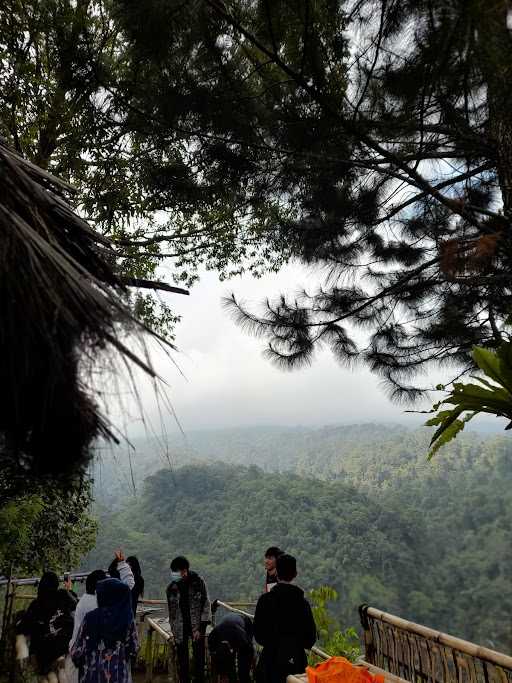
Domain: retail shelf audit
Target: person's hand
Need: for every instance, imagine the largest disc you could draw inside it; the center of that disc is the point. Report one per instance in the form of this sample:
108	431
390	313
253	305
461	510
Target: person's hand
196	635
119	555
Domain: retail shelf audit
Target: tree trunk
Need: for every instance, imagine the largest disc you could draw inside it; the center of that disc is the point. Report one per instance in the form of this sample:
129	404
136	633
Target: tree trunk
495	40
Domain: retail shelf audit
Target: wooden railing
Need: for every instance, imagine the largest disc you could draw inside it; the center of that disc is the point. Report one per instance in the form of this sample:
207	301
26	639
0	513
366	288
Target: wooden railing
405	651
420	654
233	607
321	654
158	634
11	593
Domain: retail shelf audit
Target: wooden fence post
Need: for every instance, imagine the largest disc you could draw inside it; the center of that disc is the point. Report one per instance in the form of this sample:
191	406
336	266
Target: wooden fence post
7	605
369	645
173	661
149	656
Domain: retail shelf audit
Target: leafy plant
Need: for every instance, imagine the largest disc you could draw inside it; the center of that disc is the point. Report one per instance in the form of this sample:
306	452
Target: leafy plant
332	638
49	529
492	395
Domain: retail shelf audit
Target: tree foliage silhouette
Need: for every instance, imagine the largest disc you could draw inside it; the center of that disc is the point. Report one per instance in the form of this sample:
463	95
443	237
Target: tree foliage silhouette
369	139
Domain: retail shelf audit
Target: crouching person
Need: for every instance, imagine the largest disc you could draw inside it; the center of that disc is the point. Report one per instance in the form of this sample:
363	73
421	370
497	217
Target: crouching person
189	614
231	648
284	626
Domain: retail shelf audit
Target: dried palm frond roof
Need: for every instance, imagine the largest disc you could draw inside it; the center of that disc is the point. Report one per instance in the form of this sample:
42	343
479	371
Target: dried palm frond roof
60	302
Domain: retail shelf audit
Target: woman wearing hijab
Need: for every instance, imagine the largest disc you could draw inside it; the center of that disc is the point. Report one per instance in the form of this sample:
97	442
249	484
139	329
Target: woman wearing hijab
48	622
107	638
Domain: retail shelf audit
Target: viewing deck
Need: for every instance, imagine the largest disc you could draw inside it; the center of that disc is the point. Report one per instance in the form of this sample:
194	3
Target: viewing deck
400	650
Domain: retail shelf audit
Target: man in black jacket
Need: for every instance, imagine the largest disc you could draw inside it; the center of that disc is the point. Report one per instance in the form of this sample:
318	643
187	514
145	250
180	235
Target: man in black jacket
189	614
284	626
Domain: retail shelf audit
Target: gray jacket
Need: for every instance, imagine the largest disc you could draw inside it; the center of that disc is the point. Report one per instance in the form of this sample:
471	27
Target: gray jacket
198	604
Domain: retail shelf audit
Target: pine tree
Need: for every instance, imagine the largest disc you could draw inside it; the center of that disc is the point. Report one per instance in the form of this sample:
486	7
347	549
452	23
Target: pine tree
419	251
368	138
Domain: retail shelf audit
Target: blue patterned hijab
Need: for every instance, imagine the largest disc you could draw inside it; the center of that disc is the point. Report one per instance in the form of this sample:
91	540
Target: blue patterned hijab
113	617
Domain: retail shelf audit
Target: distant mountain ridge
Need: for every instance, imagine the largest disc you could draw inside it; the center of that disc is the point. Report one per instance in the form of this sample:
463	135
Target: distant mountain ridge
346	452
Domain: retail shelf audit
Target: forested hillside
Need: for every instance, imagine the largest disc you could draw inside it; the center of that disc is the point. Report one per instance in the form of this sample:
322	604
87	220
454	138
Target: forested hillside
430	541
367	455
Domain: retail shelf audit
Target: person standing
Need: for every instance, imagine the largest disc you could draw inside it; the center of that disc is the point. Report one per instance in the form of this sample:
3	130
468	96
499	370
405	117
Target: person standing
107	639
284	626
271	555
189	614
86	604
88	601
138	588
48	622
231	647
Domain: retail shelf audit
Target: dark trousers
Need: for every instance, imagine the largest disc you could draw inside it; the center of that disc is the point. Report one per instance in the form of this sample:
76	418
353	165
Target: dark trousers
238	671
278	662
182	650
244	661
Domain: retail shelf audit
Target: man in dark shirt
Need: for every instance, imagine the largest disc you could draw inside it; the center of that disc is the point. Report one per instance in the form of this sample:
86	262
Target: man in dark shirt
232	649
271	555
284	626
189	614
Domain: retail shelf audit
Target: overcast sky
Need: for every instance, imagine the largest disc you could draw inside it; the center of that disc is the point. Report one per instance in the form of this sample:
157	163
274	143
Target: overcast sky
227	382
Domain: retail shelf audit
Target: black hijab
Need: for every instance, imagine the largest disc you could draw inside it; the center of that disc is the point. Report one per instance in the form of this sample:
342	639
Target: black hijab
110	622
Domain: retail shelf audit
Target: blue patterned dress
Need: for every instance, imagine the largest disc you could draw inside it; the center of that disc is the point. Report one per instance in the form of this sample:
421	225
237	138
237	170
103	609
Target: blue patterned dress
104	665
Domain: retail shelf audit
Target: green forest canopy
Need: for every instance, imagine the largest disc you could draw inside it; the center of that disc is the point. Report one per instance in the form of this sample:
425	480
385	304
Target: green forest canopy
359	505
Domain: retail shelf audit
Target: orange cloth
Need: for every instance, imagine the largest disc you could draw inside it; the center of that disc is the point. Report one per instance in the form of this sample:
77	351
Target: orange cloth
340	670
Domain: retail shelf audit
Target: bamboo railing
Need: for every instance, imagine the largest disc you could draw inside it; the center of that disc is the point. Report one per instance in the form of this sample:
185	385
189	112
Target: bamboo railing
421	654
159	647
233	607
403	650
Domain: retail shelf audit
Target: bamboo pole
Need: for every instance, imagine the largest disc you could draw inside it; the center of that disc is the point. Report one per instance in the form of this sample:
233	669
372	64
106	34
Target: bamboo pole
320	653
12	597
168	637
155	626
389	677
234	609
316	650
6	604
34	580
144	601
12	672
484	653
26	596
241	604
173	663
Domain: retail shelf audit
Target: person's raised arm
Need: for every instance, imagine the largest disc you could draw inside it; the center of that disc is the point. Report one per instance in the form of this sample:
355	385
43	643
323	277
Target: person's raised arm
124	569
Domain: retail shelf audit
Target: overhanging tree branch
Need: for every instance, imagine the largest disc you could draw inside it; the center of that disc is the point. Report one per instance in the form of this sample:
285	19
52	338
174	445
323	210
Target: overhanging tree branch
156	285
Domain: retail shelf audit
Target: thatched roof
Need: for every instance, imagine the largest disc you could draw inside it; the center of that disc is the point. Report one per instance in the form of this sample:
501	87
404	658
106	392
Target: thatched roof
60	303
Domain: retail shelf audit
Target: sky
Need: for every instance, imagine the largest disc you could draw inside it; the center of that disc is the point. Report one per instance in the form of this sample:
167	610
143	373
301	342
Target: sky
223	379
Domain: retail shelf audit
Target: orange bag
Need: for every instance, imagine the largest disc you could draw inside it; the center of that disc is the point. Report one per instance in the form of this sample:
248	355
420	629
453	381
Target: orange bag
340	670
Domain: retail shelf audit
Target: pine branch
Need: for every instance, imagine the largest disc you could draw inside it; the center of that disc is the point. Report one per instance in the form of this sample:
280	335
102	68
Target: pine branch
152	284
355	130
